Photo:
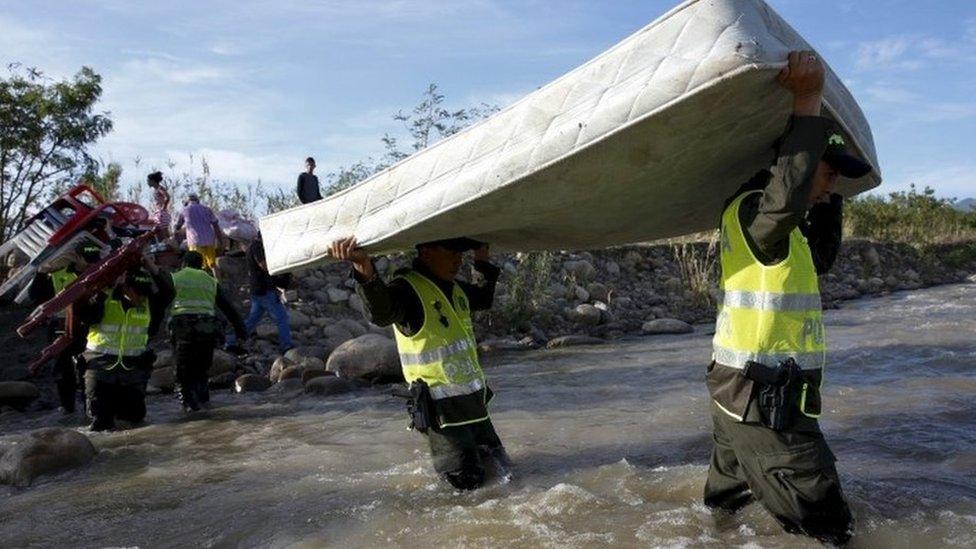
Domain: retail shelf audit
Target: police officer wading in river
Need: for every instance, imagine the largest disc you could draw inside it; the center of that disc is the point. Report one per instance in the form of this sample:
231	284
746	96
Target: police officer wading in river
195	328
69	365
778	232
431	314
117	351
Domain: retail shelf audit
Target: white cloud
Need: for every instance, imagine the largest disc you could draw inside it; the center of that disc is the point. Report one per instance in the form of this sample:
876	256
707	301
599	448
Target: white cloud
890	93
882	53
913	52
236	166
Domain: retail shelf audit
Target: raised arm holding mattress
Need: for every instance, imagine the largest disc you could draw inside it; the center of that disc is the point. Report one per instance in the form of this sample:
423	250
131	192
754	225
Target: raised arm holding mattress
778	232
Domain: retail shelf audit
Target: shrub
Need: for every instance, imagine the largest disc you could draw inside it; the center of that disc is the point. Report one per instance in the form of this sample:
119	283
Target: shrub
918	218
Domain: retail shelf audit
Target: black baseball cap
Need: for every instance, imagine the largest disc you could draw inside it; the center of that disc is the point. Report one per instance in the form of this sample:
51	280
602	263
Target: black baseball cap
139	280
89	252
460	244
841	158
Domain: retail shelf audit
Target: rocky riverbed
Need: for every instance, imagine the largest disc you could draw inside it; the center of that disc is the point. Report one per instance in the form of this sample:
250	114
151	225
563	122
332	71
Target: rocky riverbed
555	300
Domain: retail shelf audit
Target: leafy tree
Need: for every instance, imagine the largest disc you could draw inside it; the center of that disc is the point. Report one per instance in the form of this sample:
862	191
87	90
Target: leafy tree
46	128
105	181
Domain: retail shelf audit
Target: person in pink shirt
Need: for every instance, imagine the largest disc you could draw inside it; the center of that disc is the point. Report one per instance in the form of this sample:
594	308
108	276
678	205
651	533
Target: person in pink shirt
160	204
202	230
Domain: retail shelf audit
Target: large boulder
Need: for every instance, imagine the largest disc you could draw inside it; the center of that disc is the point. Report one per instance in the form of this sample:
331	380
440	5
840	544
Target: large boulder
355	328
369	357
279	365
666	326
251	383
291	372
42	452
598	292
163	379
298	320
581	270
337	334
312	373
338	295
17	394
223	362
329	385
587	314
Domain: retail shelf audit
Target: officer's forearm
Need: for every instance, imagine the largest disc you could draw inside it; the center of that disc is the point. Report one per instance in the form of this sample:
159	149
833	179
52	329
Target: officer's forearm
379	302
784	200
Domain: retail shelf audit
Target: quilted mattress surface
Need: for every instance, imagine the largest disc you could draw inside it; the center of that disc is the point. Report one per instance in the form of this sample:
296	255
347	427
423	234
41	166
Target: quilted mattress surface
643	142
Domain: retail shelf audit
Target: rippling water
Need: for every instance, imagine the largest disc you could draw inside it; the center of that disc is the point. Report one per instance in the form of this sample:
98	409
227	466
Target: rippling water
610	443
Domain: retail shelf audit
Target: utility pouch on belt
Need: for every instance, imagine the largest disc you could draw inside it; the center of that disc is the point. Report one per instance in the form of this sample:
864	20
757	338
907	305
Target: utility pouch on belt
420	405
777	391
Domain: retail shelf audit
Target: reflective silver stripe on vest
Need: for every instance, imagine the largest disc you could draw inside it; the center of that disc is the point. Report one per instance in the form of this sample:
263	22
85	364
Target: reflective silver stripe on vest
108	329
435	355
813	360
185	303
112	350
770	301
456	389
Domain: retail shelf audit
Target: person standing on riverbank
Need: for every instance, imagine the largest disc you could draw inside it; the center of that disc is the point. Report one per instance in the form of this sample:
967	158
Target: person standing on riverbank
308	183
778	232
431	313
160	204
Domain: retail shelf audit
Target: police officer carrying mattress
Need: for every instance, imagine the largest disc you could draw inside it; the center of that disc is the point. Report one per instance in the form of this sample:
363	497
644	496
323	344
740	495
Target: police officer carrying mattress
778	232
117	350
431	313
68	365
195	328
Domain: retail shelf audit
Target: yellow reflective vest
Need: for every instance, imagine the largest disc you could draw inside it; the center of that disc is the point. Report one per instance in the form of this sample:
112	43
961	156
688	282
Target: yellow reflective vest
120	333
768	313
196	292
444	354
61	278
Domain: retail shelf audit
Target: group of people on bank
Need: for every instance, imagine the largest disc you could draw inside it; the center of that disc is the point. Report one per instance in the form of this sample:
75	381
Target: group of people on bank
778	232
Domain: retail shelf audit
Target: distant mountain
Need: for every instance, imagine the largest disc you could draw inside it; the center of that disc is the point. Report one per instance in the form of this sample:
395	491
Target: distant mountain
966	205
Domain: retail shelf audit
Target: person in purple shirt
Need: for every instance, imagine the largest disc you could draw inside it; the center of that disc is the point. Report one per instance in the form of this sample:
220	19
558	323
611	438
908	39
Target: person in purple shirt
202	231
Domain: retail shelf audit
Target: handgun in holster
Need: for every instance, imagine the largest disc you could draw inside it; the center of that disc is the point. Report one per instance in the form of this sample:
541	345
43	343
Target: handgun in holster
777	391
420	405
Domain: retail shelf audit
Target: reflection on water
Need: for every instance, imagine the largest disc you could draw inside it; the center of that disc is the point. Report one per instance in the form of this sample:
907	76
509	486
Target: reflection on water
611	445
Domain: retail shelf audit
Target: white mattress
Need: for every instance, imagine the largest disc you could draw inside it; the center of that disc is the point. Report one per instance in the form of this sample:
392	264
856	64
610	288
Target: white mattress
645	141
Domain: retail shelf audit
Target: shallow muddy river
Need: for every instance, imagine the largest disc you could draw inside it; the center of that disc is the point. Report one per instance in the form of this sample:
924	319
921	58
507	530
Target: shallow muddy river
610	445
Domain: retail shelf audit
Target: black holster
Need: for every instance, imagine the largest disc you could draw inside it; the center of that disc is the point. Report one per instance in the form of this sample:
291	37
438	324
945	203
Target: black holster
420	405
776	391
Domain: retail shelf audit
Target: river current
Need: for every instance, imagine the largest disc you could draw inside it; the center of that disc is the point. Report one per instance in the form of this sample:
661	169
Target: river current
610	445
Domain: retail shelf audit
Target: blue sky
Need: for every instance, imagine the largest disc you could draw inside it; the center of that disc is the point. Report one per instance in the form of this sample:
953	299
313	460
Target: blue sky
258	86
